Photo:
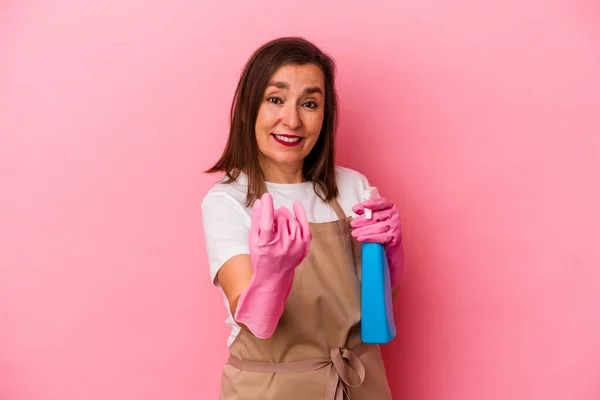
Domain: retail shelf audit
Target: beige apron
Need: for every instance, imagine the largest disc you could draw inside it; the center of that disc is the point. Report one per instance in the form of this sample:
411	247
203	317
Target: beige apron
315	352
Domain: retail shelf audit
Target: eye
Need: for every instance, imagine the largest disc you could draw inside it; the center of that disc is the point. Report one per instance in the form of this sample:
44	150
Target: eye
274	100
311	104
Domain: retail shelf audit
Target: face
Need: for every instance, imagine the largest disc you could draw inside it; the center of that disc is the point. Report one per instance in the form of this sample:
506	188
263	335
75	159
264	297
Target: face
290	116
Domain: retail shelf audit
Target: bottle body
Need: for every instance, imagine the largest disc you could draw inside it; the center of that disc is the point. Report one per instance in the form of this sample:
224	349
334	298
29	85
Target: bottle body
377	316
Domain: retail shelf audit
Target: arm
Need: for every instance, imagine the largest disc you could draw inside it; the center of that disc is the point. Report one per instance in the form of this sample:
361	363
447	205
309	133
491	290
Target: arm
278	243
234	278
257	284
226	227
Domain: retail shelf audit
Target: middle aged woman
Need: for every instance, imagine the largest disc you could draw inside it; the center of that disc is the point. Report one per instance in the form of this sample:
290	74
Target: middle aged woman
283	229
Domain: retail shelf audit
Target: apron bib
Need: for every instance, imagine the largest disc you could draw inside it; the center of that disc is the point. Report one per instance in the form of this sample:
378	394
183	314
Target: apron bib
316	352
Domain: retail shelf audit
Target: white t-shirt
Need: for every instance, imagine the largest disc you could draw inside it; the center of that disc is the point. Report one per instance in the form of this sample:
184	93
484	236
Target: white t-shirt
226	219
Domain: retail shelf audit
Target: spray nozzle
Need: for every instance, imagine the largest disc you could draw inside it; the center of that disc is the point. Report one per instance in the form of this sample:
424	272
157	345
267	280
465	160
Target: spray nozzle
370	193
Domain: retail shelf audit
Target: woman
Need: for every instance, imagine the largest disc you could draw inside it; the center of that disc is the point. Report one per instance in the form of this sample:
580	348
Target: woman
279	242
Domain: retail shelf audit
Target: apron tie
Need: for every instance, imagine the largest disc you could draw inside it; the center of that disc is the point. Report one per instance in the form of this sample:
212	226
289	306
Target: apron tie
339	380
341	361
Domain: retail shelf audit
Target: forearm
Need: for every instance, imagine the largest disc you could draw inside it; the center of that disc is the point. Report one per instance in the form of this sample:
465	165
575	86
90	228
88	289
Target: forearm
260	306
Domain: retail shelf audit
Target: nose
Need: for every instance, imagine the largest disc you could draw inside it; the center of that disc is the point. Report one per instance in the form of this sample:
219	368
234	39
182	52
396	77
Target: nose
291	117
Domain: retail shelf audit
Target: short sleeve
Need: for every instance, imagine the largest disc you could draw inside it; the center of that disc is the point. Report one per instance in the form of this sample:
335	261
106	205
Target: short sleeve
226	226
351	185
364	183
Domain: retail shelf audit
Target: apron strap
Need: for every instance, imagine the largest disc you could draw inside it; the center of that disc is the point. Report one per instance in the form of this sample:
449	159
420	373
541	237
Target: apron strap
337	208
340	360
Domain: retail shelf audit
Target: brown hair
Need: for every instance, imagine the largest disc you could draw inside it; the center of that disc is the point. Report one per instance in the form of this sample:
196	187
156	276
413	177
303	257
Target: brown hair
241	152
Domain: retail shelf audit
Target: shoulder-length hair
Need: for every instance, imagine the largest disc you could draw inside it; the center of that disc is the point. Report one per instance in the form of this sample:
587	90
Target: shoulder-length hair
241	152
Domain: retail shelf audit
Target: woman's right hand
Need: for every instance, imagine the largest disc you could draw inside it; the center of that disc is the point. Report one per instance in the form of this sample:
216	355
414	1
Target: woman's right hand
278	240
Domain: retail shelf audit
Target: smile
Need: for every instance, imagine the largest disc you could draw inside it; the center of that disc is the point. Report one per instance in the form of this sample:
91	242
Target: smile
288	140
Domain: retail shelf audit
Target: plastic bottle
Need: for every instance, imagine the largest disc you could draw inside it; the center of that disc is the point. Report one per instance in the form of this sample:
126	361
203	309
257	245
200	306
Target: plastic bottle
377	315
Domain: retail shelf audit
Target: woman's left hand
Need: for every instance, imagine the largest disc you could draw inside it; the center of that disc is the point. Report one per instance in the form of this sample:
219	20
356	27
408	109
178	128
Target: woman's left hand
383	227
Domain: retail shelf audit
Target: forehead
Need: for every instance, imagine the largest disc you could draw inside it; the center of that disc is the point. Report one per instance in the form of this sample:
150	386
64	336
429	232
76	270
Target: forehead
300	76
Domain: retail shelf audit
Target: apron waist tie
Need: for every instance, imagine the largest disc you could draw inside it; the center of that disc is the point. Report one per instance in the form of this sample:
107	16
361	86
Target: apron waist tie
341	361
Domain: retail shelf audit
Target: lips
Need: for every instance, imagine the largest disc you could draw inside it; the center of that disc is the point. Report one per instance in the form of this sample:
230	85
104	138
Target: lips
288	140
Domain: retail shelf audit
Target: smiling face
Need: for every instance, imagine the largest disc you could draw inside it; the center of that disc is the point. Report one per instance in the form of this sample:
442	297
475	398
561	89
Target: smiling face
290	117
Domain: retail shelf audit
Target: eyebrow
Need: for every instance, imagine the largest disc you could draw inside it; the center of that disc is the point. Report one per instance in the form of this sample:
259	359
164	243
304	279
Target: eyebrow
284	86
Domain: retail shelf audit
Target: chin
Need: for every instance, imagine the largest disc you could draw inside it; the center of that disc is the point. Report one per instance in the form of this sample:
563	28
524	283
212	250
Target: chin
291	161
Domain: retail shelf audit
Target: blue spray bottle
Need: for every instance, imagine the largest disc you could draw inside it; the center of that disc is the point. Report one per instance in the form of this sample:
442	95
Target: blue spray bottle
377	315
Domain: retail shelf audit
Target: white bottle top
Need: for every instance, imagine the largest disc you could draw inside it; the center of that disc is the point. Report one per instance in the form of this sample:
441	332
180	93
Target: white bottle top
370	193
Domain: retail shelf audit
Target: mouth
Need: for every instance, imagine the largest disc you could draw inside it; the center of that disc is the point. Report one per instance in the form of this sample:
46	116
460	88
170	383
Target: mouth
287	140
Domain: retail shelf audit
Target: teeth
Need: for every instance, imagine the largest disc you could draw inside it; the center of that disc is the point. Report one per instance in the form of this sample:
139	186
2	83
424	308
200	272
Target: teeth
287	139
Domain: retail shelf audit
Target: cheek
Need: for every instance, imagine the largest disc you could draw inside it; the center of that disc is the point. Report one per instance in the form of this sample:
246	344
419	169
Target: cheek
315	123
265	119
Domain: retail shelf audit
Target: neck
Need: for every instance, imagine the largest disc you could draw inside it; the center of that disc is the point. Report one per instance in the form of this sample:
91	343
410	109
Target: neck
277	173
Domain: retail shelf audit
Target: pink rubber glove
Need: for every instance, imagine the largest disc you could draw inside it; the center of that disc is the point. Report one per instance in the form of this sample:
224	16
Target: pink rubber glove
384	227
279	241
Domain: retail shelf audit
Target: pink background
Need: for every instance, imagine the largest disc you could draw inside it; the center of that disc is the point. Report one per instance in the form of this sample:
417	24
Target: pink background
480	119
